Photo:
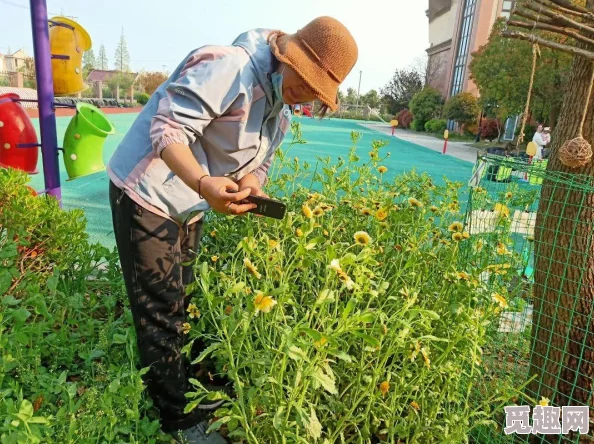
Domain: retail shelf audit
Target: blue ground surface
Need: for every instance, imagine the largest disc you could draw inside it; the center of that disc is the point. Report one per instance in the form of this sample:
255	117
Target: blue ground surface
328	137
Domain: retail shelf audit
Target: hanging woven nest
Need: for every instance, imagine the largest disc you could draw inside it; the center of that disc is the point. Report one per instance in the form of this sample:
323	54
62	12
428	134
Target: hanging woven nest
575	153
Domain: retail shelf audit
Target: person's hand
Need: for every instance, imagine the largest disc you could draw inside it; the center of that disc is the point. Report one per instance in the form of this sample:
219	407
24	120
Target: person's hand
223	195
253	183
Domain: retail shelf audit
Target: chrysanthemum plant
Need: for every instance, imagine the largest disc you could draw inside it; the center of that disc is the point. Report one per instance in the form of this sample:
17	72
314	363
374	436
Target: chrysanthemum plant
350	319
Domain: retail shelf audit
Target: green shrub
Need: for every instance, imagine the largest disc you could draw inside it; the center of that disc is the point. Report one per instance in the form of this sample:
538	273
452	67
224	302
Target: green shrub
436	126
417	125
142	98
68	352
462	108
426	105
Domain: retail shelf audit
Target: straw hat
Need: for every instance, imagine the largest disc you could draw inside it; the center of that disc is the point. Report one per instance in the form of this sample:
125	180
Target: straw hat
322	54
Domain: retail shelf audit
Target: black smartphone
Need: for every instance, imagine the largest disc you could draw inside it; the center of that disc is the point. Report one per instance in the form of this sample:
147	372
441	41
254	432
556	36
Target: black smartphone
267	207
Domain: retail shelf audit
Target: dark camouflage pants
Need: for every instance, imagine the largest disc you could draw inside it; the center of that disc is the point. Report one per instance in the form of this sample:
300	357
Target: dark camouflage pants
152	250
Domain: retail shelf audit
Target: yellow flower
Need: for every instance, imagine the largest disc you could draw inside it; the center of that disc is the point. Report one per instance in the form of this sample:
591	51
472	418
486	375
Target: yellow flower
457	237
326	233
193	310
415	405
314	196
318	211
214	258
434	208
502	249
426	357
272	243
366	211
500	300
372	154
414	202
213	233
321	342
509	195
264	303
381	214
382	169
384	388
462	275
544	401
299	232
362	238
307	211
479	245
186	327
251	268
465	234
502	209
456	226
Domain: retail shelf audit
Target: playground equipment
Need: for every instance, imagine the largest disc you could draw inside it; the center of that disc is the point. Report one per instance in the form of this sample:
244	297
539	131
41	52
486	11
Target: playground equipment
446	136
68	42
393	124
58	45
18	140
83	141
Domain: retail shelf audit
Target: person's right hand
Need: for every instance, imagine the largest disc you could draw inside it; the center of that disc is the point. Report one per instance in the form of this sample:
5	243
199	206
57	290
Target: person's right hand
224	197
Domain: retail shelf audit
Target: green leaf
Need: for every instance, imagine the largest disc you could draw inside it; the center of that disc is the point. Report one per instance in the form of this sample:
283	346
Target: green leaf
21	315
211	348
349	308
236	288
114	386
314	428
296	353
52	283
217	395
368	317
341	355
26	410
119	338
314	334
369	339
191	406
325	381
278	418
325	296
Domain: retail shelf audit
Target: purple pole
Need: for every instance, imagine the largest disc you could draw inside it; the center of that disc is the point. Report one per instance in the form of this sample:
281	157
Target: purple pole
45	96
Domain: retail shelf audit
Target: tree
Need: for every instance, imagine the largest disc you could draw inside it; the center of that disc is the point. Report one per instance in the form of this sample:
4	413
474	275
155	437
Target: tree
463	108
102	62
29	73
89	62
563	333
150	81
398	93
123	81
122	56
425	105
351	97
501	70
430	70
371	99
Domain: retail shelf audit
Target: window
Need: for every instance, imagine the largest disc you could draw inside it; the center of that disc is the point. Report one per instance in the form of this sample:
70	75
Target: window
463	46
507	8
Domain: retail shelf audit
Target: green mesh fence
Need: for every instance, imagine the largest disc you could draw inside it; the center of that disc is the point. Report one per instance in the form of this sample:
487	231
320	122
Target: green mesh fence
531	243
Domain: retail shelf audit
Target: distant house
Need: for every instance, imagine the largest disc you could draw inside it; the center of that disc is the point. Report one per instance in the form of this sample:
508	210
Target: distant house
99	78
14	61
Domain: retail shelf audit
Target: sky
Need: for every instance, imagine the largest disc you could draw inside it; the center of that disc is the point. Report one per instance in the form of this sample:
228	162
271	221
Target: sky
390	34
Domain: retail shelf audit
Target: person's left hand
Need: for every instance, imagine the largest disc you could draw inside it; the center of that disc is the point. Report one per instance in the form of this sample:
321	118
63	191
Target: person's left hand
251	181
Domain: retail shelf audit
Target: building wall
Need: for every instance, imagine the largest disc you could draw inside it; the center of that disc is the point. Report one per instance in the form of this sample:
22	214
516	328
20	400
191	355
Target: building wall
472	26
441	28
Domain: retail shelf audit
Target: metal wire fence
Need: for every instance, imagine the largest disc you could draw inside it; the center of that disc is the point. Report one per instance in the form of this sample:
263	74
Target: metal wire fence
531	232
